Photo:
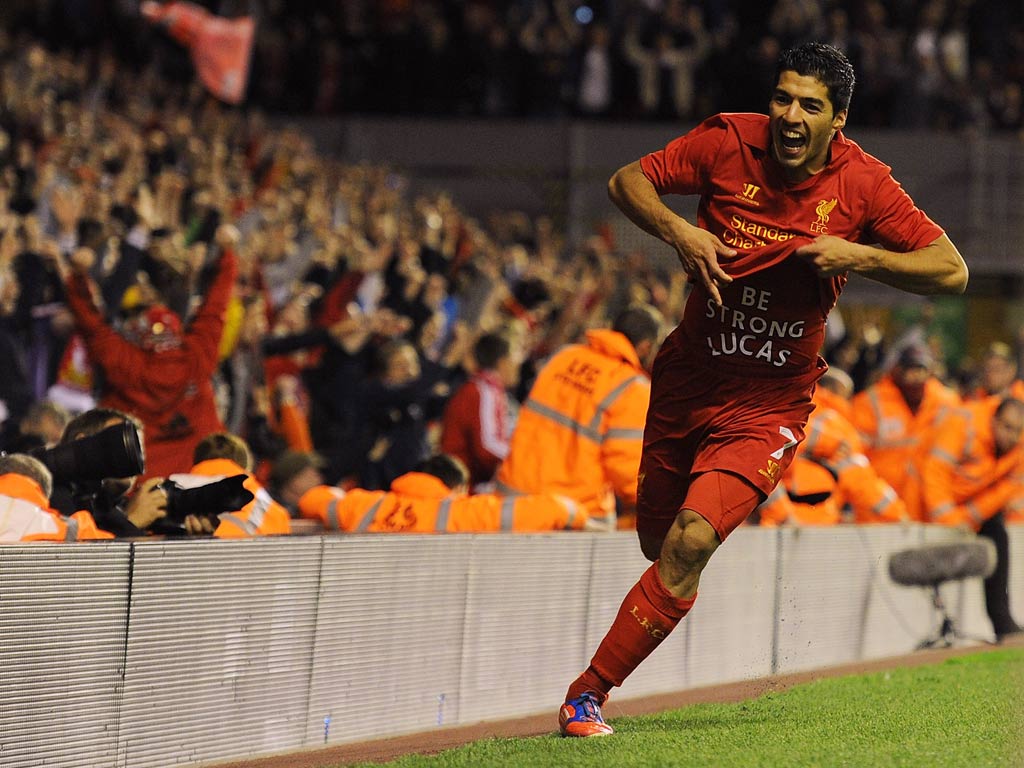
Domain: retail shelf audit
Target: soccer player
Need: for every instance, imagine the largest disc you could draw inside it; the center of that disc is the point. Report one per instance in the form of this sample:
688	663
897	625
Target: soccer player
788	206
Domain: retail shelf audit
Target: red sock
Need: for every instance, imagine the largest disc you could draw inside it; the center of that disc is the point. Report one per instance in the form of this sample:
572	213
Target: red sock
647	616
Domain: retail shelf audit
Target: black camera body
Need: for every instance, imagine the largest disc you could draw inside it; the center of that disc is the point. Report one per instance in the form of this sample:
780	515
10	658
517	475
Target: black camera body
226	495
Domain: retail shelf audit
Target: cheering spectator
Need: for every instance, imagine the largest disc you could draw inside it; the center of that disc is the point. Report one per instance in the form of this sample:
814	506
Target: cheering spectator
163	375
480	416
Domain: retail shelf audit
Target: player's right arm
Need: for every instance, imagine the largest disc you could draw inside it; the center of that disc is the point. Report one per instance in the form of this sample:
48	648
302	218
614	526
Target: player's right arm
698	249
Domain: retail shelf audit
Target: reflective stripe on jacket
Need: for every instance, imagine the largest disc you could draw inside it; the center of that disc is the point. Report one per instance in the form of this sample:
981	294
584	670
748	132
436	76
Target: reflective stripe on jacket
421	503
580	432
833	441
25	515
893	436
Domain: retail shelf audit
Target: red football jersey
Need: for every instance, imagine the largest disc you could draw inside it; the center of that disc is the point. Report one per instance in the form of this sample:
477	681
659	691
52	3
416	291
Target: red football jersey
772	319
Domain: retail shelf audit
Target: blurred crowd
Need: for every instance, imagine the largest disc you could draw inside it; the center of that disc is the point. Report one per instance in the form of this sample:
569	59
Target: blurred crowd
354	303
931	64
257	309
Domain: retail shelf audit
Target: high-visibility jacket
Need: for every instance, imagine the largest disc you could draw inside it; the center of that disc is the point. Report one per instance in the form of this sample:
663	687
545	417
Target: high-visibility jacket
893	435
830	464
580	432
965	483
25	515
834	442
260	517
421	503
804	479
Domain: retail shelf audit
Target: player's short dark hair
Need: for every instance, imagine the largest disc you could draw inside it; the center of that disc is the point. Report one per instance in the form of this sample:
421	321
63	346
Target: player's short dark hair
490	348
638	322
826	64
223	445
94	421
448	469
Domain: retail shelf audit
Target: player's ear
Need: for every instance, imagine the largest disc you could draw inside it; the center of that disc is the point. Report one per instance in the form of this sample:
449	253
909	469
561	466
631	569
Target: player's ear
839	120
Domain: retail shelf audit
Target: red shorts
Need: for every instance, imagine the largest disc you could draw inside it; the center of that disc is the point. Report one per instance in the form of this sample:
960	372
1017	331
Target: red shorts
701	420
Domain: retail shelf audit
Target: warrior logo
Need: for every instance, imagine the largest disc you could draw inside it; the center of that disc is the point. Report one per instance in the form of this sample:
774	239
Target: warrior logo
749	193
772	472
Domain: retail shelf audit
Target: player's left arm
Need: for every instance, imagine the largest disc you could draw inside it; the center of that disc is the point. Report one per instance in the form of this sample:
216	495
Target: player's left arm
934	269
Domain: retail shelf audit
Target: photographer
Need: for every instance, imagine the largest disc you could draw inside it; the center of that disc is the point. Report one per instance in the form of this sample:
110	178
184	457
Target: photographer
104	442
107	499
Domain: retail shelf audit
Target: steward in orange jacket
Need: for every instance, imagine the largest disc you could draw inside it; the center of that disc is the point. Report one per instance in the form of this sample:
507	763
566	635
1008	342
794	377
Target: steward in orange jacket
831	480
975	464
807	495
25	513
895	418
975	473
580	432
433	501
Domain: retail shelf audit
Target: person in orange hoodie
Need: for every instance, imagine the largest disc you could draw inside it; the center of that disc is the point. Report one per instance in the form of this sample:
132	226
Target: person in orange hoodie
975	471
580	432
895	417
830	479
25	512
221	455
432	499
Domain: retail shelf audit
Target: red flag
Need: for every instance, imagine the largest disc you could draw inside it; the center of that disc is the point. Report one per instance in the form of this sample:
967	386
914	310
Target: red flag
220	47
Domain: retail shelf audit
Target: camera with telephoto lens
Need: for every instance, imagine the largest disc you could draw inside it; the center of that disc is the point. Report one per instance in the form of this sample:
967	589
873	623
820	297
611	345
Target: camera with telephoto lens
112	452
227	495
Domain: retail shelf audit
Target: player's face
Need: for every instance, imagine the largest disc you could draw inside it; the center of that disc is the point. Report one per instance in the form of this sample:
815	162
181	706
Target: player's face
802	123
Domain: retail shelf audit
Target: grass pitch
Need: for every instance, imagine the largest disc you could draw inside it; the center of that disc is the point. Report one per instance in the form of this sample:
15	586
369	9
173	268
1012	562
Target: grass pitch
967	712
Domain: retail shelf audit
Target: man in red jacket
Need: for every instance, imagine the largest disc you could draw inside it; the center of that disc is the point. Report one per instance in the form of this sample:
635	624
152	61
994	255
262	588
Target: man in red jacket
163	374
479	418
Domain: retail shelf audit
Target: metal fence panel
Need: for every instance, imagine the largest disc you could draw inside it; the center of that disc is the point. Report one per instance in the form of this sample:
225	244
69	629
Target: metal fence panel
525	612
63	614
389	640
218	662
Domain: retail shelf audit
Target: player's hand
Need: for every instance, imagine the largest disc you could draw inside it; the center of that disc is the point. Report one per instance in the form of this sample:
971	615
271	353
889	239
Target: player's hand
830	255
698	252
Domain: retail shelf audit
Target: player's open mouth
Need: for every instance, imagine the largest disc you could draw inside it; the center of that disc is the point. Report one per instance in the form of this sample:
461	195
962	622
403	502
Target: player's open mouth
791	142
